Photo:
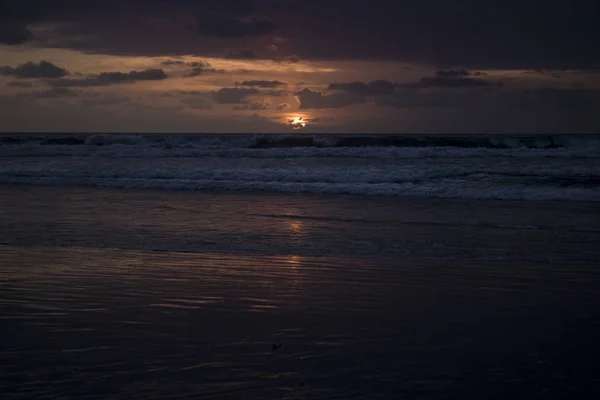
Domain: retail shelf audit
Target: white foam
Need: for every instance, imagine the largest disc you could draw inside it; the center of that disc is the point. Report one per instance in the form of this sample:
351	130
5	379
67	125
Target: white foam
230	163
287	146
376	189
108	140
191	149
506	181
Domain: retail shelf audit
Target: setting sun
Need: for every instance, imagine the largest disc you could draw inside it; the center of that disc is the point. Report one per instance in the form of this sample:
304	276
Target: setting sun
297	122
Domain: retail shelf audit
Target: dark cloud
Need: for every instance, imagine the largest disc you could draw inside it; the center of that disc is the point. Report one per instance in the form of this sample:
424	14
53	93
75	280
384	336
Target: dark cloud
52	93
452	73
442	80
198	102
13	33
31	70
244	54
492	34
282	106
292	59
386	93
21	84
542	100
375	88
106	100
234	7
549	98
454	79
203	70
414	98
540	71
181	63
111	78
449	93
252	106
132	76
222	25
199	71
274	92
234	95
198	67
84	82
310	99
261	84
169	63
446	82
477	35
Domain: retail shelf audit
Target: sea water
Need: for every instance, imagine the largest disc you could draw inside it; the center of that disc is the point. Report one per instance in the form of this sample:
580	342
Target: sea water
560	167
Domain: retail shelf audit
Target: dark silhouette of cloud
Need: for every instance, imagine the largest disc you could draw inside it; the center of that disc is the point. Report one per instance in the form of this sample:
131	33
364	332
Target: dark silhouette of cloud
291	59
251	106
234	95
244	54
310	99
282	106
478	35
495	34
169	63
52	93
21	84
198	67
132	76
222	25
174	62
442	80
375	88
274	92
13	33
199	71
261	84
446	82
105	100
31	70
554	98
454	79
452	73
111	78
414	98
198	102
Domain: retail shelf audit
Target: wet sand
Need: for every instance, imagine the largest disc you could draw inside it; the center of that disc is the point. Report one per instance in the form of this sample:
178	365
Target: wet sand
113	294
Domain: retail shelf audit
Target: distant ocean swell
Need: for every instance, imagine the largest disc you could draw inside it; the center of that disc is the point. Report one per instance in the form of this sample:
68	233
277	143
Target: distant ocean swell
297	146
493	167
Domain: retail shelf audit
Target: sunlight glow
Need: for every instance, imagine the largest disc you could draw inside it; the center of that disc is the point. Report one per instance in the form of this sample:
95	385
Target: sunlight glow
297	123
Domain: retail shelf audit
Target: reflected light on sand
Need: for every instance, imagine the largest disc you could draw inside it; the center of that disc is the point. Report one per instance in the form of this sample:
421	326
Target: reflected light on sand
294	261
296	227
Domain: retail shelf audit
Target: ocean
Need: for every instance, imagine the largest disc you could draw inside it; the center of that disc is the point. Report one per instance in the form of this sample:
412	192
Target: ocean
553	167
294	267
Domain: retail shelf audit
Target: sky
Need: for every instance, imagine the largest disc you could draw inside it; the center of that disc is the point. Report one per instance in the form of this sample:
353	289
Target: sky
305	66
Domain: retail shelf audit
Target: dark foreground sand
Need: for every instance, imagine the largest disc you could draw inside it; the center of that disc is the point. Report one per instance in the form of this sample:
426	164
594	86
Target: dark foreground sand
111	294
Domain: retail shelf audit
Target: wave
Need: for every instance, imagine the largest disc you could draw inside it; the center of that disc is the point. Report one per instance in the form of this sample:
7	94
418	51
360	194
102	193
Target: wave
301	146
372	189
560	167
519	182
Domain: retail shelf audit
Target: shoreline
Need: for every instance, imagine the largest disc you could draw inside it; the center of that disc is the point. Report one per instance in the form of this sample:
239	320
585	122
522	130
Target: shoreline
257	192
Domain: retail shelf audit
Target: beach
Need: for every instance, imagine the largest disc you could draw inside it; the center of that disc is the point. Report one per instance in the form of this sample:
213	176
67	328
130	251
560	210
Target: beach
114	293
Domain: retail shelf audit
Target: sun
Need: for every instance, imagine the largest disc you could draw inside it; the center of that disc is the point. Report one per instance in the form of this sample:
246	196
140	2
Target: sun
297	123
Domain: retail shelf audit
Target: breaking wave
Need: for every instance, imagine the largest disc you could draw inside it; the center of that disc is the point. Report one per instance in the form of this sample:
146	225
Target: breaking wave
298	146
561	167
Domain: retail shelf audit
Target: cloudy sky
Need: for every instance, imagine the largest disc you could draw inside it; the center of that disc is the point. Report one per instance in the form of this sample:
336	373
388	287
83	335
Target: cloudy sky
300	65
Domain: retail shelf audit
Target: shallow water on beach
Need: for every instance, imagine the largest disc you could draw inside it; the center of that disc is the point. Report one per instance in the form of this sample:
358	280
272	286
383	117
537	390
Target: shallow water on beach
114	294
